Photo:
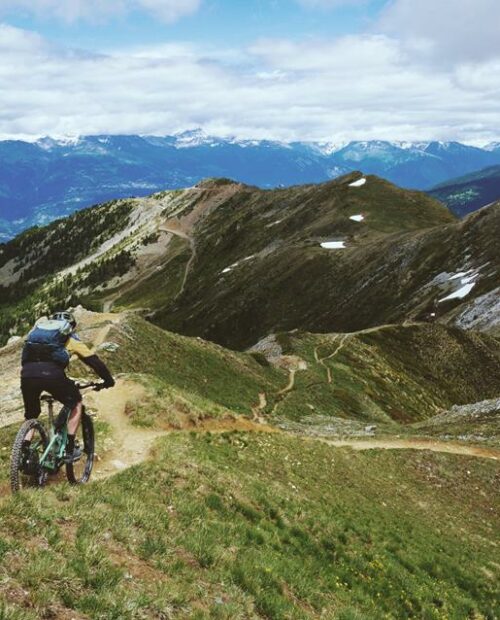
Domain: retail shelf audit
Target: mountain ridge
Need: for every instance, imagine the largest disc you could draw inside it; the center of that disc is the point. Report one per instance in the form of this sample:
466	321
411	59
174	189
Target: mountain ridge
468	193
232	263
50	178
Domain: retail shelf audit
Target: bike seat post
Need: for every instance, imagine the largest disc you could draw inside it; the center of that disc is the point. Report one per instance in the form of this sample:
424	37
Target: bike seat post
50	405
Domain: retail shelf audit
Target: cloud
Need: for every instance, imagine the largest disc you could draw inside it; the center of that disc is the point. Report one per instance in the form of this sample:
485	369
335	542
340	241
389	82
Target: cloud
356	87
447	30
97	10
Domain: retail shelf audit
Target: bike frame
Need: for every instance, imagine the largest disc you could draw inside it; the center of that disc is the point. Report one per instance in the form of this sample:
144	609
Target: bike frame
53	454
57	443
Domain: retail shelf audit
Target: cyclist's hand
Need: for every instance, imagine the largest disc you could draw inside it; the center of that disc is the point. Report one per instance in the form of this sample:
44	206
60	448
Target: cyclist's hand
107	384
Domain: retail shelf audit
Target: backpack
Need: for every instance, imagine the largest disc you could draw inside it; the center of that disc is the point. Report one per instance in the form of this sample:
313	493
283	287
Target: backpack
46	342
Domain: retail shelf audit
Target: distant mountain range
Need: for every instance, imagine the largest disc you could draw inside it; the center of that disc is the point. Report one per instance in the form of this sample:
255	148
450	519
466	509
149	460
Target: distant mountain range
470	192
51	178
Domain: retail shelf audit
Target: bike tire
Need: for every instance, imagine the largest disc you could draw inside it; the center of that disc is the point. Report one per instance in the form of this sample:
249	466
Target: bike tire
79	472
18	479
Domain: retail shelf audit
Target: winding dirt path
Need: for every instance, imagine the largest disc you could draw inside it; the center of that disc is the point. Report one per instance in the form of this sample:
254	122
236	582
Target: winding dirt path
190	240
321	360
414	444
133	445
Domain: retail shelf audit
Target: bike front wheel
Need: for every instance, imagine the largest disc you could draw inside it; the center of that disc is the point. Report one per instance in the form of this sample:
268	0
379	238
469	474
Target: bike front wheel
25	468
79	472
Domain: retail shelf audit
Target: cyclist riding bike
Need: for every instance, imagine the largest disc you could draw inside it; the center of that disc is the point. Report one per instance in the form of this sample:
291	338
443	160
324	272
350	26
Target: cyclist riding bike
46	354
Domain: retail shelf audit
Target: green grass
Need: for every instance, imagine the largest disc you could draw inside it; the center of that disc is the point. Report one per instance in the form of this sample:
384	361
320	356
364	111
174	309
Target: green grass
164	284
318	533
203	373
397	374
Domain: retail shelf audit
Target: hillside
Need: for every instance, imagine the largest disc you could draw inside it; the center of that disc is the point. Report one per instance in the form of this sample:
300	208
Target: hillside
50	178
332	384
195	533
222	488
471	192
232	263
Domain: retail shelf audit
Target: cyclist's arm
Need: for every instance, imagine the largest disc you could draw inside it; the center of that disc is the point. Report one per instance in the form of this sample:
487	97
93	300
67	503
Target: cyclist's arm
88	357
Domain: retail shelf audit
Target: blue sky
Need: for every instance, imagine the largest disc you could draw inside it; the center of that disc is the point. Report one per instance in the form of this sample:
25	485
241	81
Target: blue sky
219	22
328	70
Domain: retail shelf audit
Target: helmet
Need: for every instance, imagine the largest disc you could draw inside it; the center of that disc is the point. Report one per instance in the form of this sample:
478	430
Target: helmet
65	316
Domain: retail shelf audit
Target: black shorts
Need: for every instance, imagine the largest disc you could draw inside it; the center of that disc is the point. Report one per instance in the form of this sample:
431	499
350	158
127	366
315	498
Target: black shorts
62	389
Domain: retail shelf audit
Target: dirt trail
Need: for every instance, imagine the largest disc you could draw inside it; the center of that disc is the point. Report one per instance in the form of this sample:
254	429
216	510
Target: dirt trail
132	444
182	235
321	360
414	444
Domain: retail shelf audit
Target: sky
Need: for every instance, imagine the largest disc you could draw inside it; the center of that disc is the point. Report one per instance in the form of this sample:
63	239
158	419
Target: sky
324	70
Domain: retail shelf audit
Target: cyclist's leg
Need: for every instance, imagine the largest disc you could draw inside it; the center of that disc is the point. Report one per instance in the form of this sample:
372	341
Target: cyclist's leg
74	418
31	389
65	391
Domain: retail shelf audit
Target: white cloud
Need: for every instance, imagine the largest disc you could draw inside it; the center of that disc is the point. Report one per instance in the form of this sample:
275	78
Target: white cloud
96	10
357	87
450	30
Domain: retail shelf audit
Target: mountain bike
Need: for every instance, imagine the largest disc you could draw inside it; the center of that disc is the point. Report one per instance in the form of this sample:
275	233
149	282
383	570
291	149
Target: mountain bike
31	467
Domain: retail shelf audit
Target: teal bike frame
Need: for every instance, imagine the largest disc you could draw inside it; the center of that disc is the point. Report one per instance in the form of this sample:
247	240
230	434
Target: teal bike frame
53	455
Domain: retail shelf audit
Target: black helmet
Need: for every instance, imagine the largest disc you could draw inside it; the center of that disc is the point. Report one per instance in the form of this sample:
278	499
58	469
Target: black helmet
65	316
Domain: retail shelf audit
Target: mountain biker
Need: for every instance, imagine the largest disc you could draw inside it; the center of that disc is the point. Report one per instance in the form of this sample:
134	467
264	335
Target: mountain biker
43	370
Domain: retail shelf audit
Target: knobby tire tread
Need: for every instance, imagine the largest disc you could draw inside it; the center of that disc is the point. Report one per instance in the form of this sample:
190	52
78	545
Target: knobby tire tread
88	448
16	455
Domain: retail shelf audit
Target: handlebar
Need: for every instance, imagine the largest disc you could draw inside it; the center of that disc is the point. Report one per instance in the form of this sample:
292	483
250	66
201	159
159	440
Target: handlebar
96	386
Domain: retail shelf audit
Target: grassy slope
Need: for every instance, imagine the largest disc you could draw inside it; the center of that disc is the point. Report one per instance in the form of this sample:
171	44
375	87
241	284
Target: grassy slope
203	373
397	373
382	277
240	221
319	532
291	281
392	376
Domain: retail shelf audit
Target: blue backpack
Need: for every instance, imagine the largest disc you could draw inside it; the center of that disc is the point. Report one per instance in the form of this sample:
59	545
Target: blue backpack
46	342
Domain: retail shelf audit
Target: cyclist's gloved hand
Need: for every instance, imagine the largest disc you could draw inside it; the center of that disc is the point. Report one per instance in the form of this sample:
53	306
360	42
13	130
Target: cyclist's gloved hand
104	385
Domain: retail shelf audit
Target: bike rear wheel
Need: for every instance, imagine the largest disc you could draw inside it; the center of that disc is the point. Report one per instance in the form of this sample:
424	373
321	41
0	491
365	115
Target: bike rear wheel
79	472
25	468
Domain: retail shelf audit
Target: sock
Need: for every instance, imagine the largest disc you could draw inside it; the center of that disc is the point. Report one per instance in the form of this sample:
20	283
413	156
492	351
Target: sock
70	445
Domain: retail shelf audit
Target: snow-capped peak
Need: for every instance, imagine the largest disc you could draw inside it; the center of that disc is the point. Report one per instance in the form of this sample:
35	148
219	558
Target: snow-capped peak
192	138
48	143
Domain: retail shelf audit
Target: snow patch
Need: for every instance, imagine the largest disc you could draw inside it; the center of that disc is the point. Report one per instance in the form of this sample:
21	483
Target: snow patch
460	274
358	183
357	218
273	223
460	293
242	260
468	279
333	245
